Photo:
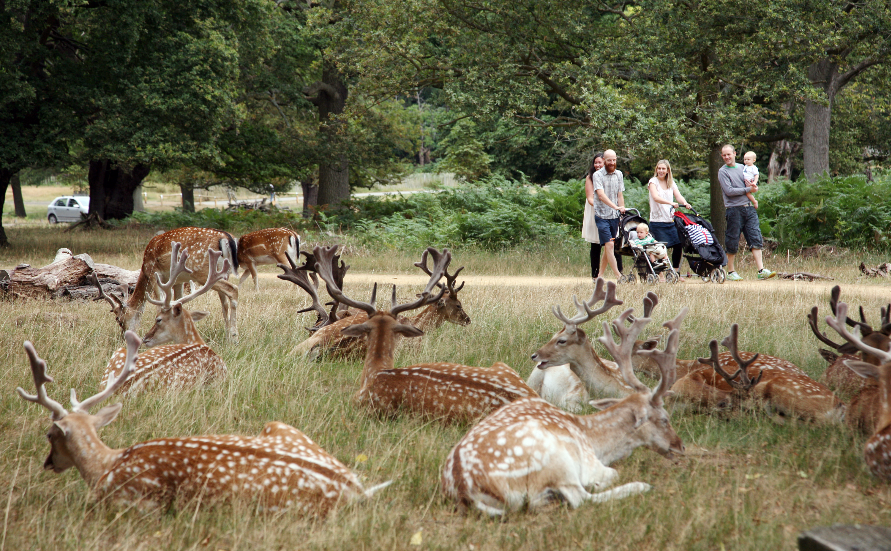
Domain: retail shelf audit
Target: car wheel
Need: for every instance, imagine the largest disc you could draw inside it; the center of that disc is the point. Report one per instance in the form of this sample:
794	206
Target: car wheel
52	219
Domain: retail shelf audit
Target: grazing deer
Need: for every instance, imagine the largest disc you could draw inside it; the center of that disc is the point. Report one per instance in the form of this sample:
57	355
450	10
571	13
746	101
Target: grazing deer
188	361
269	246
156	259
328	336
279	468
530	452
774	383
877	452
444	391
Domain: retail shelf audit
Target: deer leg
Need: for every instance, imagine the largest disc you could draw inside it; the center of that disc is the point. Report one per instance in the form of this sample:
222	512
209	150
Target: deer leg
623	491
245	274
228	293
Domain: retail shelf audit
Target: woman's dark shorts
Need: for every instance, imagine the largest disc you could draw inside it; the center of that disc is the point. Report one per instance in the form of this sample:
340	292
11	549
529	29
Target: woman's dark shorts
607	229
665	232
742	219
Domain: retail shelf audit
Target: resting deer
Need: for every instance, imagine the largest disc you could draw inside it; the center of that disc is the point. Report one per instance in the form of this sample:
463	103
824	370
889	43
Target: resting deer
330	337
569	372
279	468
863	408
530	452
877	452
156	259
444	391
774	383
268	246
188	361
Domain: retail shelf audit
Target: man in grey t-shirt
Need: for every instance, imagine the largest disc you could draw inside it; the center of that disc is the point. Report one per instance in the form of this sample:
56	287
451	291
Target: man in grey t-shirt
740	216
609	201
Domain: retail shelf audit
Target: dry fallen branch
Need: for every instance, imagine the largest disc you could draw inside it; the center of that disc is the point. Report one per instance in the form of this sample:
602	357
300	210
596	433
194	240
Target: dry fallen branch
882	270
802	276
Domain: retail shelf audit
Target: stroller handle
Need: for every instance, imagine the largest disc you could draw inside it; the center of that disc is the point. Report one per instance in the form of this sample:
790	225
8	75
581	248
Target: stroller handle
691	209
627	210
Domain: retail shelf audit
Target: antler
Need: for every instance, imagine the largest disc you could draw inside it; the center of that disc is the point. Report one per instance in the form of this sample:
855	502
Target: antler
833	304
325	259
116	303
585	311
622	352
177	267
730	342
214	273
812	322
133	343
667	359
38	371
300	276
649	302
440	265
450	278
838	323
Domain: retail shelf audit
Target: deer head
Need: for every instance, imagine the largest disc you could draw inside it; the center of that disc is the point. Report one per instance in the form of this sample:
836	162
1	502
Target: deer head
448	307
305	277
173	323
72	436
118	306
876	339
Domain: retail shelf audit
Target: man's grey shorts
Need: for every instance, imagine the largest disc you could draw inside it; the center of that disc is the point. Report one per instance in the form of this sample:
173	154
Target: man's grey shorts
742	219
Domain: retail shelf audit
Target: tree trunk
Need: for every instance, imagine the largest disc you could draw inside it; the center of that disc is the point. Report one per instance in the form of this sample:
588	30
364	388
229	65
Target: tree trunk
17	198
816	139
334	174
5	177
138	203
717	197
112	187
310	195
188	193
780	164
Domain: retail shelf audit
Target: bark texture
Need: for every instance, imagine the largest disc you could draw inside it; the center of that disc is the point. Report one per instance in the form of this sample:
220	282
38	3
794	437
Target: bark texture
716	195
781	158
330	97
112	187
17	199
5	177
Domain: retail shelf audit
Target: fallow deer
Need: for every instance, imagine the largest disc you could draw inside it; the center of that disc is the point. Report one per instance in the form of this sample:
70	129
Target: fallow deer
279	468
863	408
156	259
188	361
530	452
773	383
444	391
330	337
877	452
268	246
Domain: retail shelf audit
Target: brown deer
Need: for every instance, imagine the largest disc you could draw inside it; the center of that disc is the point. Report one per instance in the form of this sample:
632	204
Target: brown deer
877	452
188	361
863	408
156	259
330	337
279	468
268	246
444	391
568	371
530	452
766	381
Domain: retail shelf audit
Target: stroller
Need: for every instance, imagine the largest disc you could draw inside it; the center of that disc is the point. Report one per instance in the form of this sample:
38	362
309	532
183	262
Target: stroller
646	269
701	249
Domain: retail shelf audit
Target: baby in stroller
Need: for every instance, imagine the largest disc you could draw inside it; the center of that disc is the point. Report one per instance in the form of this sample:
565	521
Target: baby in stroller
644	247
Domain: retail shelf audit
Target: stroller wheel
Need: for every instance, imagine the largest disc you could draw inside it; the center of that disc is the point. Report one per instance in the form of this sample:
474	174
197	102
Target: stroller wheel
629	279
671	276
652	279
718	275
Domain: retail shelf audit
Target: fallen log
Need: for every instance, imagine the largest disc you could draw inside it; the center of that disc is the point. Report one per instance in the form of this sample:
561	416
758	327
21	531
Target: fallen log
882	270
68	272
806	276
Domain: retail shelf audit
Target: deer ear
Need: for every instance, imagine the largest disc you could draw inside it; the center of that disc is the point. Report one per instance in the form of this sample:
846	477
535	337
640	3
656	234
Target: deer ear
407	330
356	330
199	315
440	304
865	370
177	309
649	344
60	428
848	348
604	403
107	414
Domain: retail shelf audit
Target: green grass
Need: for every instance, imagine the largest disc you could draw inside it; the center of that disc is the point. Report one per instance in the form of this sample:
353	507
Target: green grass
746	482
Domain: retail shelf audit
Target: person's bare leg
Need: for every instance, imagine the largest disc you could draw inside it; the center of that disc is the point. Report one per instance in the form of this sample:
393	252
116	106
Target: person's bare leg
758	262
609	253
730	259
603	262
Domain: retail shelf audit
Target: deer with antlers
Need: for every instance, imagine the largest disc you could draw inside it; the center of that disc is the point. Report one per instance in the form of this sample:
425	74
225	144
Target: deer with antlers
267	246
530	452
864	406
569	372
178	357
279	468
156	259
328	335
444	391
756	380
877	452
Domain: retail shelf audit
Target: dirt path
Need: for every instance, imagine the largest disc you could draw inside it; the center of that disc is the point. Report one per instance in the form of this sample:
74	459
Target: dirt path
693	283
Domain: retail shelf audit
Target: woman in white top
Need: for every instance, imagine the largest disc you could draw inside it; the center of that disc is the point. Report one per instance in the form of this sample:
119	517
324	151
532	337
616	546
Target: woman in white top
662	192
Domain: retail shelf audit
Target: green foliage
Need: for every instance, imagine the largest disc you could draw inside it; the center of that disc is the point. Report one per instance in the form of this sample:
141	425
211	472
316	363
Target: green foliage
237	221
848	212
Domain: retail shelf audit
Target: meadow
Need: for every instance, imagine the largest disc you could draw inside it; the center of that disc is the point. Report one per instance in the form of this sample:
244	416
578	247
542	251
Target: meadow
746	481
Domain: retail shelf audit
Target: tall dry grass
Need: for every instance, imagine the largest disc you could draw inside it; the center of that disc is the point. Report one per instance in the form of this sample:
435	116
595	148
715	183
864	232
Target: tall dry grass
746	482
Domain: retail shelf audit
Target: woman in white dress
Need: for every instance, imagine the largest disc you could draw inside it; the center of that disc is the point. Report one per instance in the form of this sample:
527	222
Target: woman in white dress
589	229
663	191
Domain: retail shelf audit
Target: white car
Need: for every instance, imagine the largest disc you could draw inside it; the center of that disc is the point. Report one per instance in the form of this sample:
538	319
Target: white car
68	208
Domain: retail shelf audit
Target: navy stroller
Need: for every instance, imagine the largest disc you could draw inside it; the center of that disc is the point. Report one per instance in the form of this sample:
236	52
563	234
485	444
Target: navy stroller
701	249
